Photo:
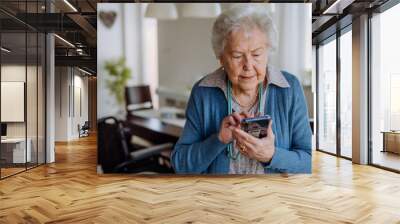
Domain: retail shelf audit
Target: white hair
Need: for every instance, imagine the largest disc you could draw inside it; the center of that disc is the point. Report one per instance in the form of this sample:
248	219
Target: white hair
246	17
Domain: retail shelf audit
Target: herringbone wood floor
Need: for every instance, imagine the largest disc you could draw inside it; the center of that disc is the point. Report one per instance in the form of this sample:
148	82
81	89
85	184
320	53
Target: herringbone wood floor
70	191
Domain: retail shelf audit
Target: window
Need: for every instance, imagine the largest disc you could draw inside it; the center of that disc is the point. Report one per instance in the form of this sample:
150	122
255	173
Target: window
22	80
385	89
327	97
346	94
333	137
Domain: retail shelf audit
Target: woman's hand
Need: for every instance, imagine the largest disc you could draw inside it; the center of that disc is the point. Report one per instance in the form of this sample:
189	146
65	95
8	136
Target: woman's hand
261	149
229	123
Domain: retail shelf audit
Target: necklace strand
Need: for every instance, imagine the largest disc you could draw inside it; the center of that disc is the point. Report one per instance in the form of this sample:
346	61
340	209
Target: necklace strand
245	106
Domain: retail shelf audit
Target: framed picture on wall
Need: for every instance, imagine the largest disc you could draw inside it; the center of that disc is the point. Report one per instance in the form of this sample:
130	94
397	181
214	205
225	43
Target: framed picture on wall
12	101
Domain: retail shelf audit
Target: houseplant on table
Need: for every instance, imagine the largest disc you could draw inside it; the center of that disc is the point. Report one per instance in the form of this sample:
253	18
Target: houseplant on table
119	74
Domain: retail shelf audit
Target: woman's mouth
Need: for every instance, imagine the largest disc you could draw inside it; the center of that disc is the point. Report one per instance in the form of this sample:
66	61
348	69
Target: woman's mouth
245	78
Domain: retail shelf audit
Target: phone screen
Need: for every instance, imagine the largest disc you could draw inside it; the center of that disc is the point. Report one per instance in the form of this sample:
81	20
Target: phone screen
257	126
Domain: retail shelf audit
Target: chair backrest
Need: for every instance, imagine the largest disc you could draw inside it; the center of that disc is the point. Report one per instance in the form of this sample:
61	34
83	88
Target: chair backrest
86	125
111	144
138	98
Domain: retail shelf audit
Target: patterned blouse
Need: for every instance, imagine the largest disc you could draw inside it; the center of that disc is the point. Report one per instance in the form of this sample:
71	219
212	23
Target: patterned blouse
243	164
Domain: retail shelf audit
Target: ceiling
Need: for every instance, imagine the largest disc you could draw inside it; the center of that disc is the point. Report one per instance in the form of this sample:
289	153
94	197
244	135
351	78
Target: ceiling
77	23
330	15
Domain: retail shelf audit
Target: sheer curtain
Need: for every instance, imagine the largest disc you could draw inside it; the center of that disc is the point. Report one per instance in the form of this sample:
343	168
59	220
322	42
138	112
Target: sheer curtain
294	51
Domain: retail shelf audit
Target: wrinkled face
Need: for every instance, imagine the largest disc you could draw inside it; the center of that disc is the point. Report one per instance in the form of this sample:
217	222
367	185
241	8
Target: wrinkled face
245	58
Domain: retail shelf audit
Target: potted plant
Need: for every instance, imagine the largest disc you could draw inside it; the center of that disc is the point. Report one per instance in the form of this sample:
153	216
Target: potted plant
119	74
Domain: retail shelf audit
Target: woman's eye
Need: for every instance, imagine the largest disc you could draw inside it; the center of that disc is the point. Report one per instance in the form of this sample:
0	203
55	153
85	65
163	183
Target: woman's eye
237	56
256	55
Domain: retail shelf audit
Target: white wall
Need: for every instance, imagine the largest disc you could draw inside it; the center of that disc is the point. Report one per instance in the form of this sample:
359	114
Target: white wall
79	117
68	81
17	73
123	39
61	103
14	73
33	126
109	46
185	51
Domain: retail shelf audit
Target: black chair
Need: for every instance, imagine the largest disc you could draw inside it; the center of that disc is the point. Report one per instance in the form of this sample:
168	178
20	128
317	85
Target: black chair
138	98
117	155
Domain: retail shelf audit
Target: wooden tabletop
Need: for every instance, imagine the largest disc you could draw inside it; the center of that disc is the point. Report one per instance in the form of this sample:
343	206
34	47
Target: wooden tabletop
391	132
154	129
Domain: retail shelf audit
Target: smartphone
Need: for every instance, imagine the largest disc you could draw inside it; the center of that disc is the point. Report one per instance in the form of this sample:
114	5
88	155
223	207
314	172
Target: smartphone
256	126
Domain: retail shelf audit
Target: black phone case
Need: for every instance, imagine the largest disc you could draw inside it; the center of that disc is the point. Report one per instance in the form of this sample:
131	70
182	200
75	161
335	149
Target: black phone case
257	126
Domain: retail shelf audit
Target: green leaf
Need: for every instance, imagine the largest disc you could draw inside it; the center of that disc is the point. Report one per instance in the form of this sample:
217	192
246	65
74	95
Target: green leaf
119	75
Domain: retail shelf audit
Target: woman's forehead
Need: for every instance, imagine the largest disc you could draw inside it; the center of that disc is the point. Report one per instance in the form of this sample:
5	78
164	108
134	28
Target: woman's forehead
242	38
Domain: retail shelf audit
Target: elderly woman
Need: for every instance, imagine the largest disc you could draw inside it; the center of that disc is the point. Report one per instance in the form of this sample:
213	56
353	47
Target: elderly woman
244	86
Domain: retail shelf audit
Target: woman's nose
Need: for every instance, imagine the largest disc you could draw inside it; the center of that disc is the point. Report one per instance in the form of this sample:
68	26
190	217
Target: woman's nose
248	63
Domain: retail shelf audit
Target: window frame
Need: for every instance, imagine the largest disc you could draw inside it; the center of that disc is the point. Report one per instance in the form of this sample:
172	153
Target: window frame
334	37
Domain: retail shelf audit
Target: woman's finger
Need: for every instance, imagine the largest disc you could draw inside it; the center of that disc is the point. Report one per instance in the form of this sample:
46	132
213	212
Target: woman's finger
237	117
244	153
247	149
269	131
231	121
247	114
248	146
244	136
236	135
240	145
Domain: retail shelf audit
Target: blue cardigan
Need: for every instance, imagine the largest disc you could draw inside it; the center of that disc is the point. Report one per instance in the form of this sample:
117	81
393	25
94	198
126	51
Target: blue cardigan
199	151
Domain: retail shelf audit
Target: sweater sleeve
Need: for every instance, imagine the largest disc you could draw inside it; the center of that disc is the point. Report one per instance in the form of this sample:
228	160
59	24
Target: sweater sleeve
296	158
193	153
